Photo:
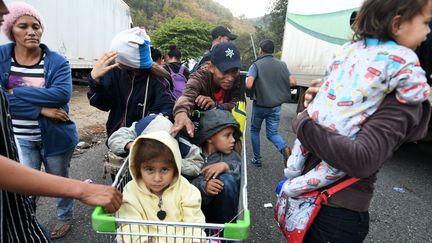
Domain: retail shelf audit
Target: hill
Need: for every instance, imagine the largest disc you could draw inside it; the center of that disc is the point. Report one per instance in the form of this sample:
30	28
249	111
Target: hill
151	13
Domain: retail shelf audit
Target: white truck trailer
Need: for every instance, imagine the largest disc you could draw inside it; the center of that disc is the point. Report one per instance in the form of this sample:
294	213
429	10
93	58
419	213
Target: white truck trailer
81	30
314	30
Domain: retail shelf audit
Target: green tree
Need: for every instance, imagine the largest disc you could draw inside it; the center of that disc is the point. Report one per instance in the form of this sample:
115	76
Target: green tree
277	23
244	44
192	37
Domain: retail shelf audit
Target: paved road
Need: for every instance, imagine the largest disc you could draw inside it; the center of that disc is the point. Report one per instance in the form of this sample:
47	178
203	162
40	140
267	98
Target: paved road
395	217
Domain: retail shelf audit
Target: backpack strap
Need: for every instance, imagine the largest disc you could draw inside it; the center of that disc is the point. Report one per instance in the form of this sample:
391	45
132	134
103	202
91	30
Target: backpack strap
344	184
170	70
145	96
332	190
182	68
327	193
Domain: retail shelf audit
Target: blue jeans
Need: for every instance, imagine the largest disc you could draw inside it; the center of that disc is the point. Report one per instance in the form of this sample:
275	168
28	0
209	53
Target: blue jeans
32	156
223	207
271	117
338	225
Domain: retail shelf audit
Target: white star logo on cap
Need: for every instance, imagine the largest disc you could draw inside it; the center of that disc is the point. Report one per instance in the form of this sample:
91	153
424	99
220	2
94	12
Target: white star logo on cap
229	53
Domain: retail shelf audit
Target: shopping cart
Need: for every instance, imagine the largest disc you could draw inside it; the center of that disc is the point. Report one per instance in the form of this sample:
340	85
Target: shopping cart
111	226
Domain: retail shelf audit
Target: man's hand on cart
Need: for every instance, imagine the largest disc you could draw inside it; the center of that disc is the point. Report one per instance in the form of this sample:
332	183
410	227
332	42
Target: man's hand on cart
101	195
205	102
182	120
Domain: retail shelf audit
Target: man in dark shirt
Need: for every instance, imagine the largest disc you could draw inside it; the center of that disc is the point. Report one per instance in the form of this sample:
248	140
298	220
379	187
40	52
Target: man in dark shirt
219	34
215	85
269	81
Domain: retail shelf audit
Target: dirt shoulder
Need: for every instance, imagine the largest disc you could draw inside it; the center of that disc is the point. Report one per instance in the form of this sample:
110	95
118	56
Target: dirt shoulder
89	120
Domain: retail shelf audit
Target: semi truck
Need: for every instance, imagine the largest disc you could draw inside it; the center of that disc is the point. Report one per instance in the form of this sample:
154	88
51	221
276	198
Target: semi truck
80	30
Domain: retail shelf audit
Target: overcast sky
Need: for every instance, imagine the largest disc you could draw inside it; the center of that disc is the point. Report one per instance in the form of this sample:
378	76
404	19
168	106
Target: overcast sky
249	8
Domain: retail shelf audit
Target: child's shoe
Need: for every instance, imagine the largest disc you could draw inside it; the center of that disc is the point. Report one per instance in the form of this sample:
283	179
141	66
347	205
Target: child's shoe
256	162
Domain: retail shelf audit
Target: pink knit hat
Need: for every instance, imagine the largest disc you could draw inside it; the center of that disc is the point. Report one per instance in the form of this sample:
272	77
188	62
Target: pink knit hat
16	10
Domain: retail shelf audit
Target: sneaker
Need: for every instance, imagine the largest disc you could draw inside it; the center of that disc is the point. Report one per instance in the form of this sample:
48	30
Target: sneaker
286	152
256	162
60	229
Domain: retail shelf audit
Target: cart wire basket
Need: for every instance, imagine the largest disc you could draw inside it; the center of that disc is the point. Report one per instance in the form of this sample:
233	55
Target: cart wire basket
111	226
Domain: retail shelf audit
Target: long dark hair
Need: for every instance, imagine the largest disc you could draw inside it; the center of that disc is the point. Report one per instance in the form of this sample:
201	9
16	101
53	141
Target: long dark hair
174	52
375	17
155	54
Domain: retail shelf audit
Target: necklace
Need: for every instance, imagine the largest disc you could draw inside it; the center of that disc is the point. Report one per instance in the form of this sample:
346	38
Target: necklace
161	214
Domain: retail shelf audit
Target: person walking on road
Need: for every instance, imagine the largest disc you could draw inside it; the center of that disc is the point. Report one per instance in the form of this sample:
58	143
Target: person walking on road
270	83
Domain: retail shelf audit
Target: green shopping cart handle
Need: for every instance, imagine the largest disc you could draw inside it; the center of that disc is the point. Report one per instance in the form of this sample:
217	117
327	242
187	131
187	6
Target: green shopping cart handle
240	229
102	221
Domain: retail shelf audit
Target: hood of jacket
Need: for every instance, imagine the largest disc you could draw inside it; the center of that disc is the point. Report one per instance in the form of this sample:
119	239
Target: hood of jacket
165	138
181	200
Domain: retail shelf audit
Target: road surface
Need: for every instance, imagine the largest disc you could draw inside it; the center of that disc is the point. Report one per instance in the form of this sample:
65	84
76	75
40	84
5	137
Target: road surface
395	216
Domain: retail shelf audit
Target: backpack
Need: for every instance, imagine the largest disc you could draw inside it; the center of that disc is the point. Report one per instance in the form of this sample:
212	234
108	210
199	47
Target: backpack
179	80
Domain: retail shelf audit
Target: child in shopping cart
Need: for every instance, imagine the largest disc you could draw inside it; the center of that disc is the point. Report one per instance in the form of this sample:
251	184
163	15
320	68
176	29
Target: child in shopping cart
219	181
158	192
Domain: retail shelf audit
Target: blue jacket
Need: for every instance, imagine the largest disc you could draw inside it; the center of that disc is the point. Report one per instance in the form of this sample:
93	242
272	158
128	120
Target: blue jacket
123	97
57	137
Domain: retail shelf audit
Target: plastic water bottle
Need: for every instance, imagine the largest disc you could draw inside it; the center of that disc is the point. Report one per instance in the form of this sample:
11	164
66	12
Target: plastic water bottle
399	189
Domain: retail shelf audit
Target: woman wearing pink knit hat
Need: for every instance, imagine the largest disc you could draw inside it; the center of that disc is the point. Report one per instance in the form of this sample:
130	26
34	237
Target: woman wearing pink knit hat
38	84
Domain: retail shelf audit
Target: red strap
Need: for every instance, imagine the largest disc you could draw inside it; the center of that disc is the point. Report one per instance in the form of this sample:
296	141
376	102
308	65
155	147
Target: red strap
340	186
332	190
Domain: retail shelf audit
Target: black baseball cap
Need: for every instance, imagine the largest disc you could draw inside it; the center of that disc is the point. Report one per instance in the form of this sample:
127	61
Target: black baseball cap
225	56
222	31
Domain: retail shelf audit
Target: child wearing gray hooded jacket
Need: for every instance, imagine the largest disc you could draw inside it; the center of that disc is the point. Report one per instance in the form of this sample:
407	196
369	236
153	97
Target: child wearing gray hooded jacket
219	181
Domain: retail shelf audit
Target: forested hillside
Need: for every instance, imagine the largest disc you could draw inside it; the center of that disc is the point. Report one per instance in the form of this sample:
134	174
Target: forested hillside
154	14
